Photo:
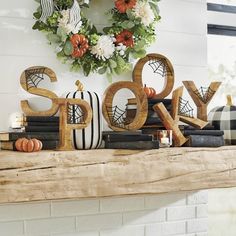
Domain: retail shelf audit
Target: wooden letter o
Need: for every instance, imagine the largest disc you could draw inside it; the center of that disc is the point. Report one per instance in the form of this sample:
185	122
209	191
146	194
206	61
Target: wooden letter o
142	105
169	75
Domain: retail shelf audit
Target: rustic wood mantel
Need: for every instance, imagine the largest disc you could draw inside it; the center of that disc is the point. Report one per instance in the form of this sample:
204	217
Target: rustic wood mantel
51	175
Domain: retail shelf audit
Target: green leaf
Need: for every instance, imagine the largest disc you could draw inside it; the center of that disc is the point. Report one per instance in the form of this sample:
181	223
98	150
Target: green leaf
112	63
37	15
86	69
139	54
53	38
62	34
102	70
68	48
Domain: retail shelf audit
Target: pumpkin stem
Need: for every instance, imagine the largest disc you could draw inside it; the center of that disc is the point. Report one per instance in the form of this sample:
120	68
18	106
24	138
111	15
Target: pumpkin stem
80	86
229	100
145	85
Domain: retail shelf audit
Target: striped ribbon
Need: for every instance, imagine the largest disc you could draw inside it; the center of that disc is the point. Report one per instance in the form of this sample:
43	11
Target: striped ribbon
47	9
75	14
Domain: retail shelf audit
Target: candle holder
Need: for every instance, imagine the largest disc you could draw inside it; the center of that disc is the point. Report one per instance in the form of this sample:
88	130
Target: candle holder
164	138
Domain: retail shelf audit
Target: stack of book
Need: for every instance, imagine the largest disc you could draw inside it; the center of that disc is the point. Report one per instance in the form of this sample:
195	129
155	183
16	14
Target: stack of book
153	122
207	137
46	129
129	140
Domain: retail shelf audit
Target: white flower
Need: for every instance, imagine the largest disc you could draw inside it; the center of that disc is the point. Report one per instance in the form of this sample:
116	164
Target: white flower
143	11
121	49
65	25
104	48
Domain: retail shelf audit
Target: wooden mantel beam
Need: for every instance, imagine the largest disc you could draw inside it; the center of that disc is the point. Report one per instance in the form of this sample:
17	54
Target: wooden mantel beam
52	175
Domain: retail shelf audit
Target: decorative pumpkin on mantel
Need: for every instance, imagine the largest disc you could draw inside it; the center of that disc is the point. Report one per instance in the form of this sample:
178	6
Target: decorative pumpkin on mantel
91	136
150	92
28	145
224	118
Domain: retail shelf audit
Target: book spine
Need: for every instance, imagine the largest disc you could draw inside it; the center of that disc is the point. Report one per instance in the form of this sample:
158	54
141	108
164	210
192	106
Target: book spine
38	135
41	129
41	118
35	123
138	145
205	141
127	138
203	132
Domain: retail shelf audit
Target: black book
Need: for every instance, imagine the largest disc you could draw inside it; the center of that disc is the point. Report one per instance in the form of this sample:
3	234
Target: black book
203	132
154	101
153	121
36	123
12	136
207	127
127	138
136	132
41	128
47	145
41	118
204	141
135	145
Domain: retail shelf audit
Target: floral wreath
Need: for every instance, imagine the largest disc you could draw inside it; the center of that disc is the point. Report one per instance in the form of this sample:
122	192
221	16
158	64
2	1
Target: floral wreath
79	43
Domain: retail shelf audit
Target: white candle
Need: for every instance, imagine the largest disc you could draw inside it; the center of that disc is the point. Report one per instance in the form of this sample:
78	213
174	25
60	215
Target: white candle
165	140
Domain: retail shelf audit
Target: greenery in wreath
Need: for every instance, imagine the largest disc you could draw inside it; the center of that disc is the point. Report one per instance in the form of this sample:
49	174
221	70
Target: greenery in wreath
79	43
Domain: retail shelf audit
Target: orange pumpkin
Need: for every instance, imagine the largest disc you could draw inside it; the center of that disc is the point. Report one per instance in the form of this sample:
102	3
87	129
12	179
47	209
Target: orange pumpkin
150	92
28	145
80	45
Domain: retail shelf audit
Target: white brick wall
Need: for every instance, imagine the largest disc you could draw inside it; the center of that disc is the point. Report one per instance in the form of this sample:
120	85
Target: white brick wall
176	214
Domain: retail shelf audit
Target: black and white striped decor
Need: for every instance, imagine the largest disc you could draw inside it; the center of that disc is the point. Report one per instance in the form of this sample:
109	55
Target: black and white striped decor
47	9
91	136
75	14
224	118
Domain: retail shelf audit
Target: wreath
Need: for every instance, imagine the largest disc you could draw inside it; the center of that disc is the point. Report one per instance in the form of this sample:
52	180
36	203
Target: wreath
78	43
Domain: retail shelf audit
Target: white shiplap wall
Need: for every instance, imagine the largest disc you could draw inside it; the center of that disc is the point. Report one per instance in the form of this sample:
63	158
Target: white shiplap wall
181	37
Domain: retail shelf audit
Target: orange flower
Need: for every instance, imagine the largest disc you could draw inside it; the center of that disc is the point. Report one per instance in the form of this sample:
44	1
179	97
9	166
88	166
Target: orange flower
126	38
124	5
80	45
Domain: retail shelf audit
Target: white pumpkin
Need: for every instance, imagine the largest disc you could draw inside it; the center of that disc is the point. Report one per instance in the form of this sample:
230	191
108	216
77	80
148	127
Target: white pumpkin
91	136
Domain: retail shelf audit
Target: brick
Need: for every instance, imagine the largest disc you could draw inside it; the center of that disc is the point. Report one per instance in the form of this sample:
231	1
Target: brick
180	213
12	228
201	234
24	211
109	205
202	211
99	222
197	225
165	200
144	217
78	234
125	231
166	229
74	208
195	198
50	225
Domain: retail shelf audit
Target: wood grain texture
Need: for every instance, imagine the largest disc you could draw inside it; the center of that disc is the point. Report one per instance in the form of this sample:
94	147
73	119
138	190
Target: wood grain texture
51	175
142	106
66	128
203	101
25	106
169	77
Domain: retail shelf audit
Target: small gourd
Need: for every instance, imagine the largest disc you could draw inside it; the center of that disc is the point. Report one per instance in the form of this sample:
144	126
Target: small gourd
224	118
91	136
28	145
150	92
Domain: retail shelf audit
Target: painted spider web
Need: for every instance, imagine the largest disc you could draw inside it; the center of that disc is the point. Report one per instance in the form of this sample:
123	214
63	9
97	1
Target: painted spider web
159	66
34	77
185	108
204	93
118	117
75	115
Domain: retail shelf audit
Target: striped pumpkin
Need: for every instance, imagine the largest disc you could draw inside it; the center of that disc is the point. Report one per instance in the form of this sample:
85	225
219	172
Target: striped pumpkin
91	136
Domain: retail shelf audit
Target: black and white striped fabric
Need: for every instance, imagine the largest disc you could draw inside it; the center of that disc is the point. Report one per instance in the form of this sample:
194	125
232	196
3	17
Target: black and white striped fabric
91	136
47	9
224	118
75	14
